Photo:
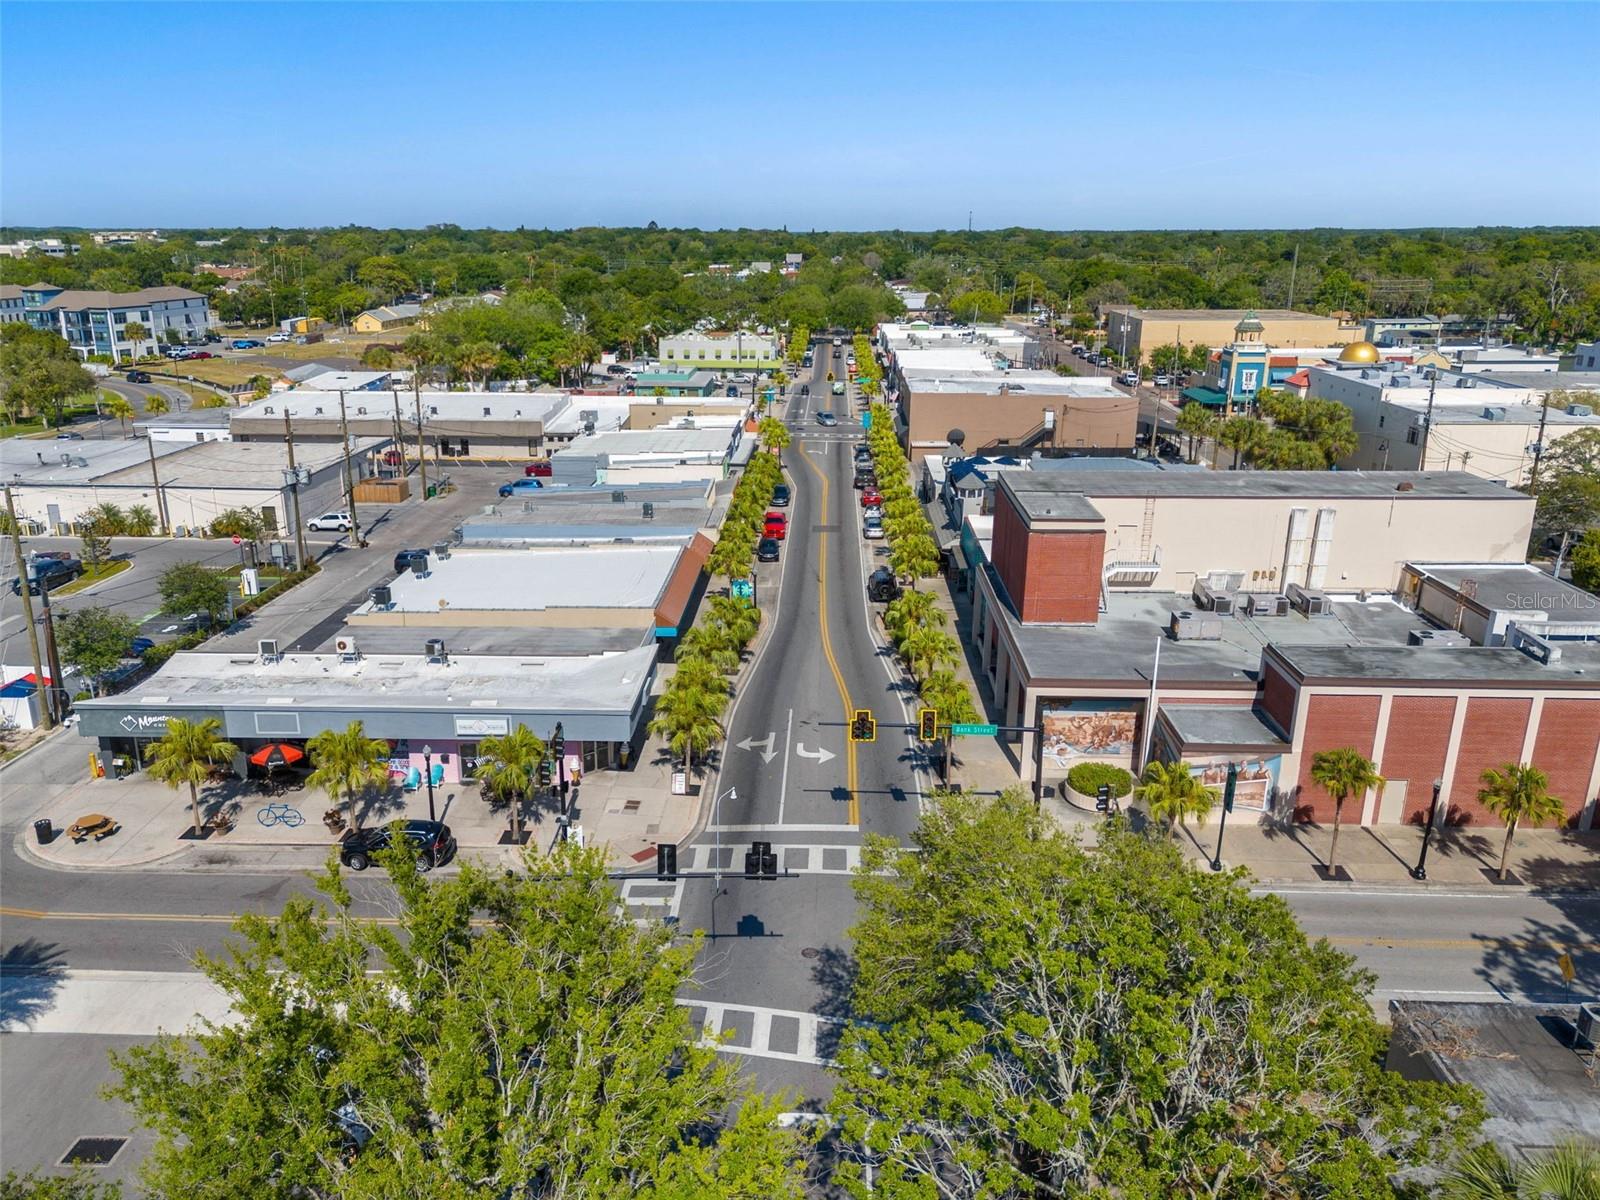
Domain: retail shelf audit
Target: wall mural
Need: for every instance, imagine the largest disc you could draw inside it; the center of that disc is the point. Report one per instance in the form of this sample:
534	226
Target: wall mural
1078	729
1253	788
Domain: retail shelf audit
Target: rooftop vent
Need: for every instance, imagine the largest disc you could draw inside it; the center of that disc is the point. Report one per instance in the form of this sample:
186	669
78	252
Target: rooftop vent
435	651
381	597
267	648
1405	485
362	411
649	511
618	496
317	411
1494	414
1579	410
441	550
1439	639
486	410
345	647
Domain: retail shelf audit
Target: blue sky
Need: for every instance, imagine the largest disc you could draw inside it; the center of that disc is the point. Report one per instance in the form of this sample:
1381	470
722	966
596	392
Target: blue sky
810	116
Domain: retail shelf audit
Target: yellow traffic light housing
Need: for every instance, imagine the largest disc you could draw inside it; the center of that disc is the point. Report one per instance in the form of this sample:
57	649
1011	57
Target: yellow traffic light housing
863	727
928	724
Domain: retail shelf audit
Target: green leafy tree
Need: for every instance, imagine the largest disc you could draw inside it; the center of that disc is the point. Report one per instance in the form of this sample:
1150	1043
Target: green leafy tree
910	611
189	587
1342	772
377	357
39	372
80	1185
242	523
186	755
1197	423
978	307
95	640
346	762
514	1035
94	540
507	768
1586	562
1055	1020
915	557
1172	793
739	620
1518	793
110	519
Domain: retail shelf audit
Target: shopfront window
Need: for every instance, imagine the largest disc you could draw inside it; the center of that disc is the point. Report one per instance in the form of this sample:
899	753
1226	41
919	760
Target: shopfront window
469	759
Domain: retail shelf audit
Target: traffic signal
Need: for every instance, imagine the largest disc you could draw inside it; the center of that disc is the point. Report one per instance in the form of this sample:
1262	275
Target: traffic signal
666	861
1102	798
544	774
558	742
863	728
928	724
760	862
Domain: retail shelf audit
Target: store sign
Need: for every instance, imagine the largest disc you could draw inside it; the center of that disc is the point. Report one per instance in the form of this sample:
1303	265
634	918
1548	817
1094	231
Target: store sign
482	726
143	723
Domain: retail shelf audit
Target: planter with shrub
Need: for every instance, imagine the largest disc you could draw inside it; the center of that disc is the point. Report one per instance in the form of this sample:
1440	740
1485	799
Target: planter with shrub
1085	780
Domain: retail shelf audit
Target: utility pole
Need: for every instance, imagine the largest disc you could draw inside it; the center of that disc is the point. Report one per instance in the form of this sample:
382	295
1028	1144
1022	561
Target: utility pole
1538	447
294	495
46	710
56	689
349	475
1427	421
161	503
1294	269
422	451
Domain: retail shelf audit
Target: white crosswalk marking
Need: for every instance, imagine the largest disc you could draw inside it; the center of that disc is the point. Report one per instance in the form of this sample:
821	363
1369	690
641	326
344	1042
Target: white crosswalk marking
650	899
759	1032
801	860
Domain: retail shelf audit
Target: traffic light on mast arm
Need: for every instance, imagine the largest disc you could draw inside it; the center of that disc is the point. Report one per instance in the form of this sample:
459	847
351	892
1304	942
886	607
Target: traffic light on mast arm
928	724
863	727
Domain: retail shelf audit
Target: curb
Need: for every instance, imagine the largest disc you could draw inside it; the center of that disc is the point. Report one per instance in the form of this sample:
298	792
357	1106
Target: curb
44	741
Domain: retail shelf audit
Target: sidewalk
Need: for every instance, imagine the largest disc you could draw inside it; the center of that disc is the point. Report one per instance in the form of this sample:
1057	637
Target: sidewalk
628	811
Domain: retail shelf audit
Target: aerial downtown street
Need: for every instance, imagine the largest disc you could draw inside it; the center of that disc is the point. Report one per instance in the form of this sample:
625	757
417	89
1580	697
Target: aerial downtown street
993	669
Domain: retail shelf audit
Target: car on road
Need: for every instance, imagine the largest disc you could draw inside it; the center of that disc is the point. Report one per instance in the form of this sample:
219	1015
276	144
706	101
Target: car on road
781	495
67	435
330	522
540	468
838	341
280	337
1129	378
775	525
525	486
433	842
139	645
199	354
838	387
805	389
92	825
882	586
767	550
1162	380
247	344
138	376
52	571
870	498
408	560
872	526
827	419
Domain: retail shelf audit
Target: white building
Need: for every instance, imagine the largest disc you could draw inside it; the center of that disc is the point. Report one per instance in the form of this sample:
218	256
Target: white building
1585	358
53	247
97	322
721	350
629	456
1481	425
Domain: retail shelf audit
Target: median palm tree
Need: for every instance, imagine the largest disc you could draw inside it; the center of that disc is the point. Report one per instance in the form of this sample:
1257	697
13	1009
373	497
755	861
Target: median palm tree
1517	793
915	557
119	407
774	434
1172	792
926	649
187	754
1342	773
348	762
507	766
911	611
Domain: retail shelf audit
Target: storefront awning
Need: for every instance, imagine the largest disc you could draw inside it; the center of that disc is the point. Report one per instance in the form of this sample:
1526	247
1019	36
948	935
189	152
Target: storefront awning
1209	397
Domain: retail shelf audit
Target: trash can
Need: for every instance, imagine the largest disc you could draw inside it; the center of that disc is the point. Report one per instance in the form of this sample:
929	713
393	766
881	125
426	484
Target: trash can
433	490
43	833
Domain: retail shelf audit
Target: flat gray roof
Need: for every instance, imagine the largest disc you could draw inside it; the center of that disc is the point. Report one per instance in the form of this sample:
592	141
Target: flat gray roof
1218	725
625	442
193	418
1032	489
1579	664
238	464
45	461
1516	589
491	640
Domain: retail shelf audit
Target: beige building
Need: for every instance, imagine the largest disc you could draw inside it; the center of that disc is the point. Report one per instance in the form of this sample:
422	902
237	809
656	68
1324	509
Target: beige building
1137	331
655	411
1012	410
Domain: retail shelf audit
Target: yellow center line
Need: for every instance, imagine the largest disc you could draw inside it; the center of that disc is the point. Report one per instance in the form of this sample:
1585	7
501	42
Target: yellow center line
827	643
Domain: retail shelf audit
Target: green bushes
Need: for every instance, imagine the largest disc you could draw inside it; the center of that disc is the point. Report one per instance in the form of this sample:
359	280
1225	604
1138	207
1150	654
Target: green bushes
275	590
1087	778
741	525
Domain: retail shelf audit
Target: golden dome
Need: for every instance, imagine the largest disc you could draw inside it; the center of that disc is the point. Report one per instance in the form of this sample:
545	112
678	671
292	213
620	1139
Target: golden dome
1359	352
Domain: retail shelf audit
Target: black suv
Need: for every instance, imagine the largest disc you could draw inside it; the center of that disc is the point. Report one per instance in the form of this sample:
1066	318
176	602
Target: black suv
882	586
48	572
432	840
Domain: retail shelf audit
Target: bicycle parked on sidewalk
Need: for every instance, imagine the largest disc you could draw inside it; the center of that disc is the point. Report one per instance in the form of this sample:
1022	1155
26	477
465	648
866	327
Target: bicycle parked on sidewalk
280	814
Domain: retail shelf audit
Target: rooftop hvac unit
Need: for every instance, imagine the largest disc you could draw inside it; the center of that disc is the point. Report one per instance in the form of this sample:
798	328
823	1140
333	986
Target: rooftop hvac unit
346	649
1587	1026
441	549
1211	599
649	511
1465	381
1540	649
1439	639
435	650
382	597
618	496
1580	410
588	415
1259	604
1310	601
268	649
1189	626
1494	414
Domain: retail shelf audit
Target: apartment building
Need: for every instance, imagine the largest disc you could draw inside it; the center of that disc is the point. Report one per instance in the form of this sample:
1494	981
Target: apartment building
96	323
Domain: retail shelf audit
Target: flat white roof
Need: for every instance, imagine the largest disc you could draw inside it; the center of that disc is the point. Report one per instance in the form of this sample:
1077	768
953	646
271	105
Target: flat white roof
444	406
536	579
48	461
1021	382
664	442
240	464
332	381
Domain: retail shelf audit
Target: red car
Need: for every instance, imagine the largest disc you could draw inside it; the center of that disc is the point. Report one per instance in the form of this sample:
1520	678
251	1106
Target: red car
776	526
202	354
870	498
541	469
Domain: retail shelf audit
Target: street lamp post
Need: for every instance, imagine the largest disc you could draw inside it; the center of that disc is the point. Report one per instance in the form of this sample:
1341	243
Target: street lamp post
716	821
427	771
1227	807
1420	871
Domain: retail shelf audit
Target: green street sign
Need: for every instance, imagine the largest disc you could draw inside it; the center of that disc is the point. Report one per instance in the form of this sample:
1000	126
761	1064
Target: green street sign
742	589
974	730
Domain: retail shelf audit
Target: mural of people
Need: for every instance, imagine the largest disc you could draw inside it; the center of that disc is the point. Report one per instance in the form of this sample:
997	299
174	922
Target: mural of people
1077	729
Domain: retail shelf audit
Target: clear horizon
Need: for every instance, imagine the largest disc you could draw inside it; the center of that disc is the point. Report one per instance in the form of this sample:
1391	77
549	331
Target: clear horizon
1134	117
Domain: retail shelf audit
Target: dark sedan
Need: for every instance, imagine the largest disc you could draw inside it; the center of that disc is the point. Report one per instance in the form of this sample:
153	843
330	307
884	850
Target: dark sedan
767	550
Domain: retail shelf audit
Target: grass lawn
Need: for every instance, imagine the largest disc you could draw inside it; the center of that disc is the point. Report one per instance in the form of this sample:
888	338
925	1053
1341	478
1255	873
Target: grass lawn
225	371
93	575
35	426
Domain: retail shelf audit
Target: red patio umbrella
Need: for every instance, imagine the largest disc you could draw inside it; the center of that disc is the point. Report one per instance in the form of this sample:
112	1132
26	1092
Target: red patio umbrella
278	754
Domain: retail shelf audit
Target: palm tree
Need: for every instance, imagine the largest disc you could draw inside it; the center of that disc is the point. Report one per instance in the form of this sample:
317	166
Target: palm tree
943	691
186	754
915	557
774	434
119	407
1569	1172
135	334
711	644
347	761
507	766
686	712
477	361
1196	422
1172	792
926	649
141	521
736	617
1517	793
156	404
1342	773
910	611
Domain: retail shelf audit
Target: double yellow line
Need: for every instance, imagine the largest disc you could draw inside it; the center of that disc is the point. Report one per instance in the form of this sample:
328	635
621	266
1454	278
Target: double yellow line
827	643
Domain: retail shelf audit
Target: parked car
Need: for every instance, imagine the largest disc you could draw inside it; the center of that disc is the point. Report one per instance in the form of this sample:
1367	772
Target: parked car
781	495
175	352
767	550
521	487
139	645
827	419
407	560
882	586
138	376
199	354
49	571
212	337
540	468
67	435
280	337
872	524
1129	378
867	478
434	843
1162	379
330	521
775	525
870	498
247	344
732	390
